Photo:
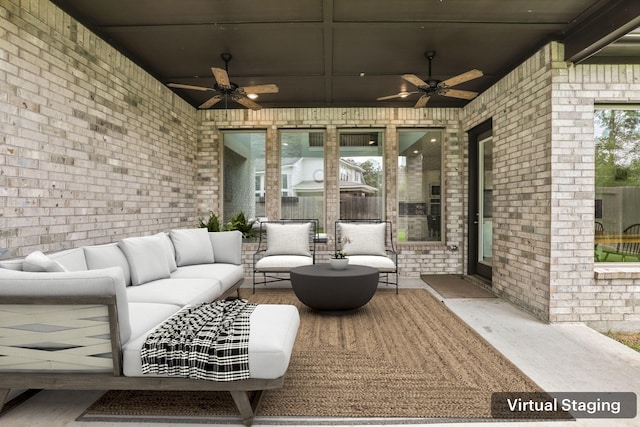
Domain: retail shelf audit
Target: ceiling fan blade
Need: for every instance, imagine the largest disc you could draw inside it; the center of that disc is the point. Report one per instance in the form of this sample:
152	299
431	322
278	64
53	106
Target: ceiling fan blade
461	78
384	98
261	89
222	78
211	101
181	86
456	93
414	80
246	102
397	95
422	101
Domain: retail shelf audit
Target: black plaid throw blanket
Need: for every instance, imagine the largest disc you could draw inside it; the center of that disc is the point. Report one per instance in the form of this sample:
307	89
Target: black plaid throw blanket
206	341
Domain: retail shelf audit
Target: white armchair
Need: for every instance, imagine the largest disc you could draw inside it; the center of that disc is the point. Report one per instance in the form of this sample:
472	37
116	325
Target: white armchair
369	243
283	245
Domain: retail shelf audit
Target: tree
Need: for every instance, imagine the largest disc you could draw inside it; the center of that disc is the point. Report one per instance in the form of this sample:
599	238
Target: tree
372	173
617	148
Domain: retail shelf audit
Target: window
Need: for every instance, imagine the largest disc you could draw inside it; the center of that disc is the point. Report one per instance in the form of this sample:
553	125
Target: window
617	195
419	185
243	159
361	176
302	169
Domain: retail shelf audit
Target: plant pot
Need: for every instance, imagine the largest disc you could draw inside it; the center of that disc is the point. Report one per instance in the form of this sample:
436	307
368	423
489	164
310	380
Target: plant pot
339	263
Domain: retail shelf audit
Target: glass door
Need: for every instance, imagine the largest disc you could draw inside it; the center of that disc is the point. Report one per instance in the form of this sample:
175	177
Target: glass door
480	213
485	197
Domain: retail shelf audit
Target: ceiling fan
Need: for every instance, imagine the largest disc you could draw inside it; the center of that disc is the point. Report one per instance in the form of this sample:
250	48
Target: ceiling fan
436	87
224	88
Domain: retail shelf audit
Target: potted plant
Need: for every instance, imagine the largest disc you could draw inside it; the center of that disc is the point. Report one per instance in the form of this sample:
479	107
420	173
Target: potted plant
242	224
211	224
339	259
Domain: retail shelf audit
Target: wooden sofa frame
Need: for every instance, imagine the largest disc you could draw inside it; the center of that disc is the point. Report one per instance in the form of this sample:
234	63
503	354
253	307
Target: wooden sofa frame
247	394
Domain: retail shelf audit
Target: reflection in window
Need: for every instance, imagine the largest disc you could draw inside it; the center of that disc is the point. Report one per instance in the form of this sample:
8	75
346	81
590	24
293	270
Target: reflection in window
302	169
419	185
617	204
361	175
244	173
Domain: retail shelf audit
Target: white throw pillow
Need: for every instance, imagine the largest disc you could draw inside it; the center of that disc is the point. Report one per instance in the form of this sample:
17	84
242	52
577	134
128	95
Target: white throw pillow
193	246
147	258
363	239
288	239
40	263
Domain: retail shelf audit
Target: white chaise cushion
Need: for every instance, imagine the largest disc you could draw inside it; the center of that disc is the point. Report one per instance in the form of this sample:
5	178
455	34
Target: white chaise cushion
192	245
288	239
37	262
282	262
147	258
272	334
363	239
105	256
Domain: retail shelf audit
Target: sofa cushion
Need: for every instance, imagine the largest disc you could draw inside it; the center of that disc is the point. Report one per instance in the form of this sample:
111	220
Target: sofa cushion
148	315
363	239
288	239
147	258
192	246
105	256
176	291
227	246
228	274
171	251
38	262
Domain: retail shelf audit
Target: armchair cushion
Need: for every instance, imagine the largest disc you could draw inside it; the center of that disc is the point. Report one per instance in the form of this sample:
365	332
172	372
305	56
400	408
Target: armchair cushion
193	246
382	263
288	239
282	262
363	239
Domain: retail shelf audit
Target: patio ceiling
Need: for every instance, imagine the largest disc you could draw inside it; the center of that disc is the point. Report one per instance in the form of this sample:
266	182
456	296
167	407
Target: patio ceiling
330	53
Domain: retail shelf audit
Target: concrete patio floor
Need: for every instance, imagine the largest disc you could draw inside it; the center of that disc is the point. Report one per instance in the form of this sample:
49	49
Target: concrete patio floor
559	358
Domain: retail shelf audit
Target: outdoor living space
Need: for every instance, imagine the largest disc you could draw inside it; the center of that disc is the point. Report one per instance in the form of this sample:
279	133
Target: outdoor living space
526	194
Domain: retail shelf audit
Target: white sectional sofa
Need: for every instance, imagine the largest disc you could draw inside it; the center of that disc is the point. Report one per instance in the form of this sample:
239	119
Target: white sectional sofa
77	319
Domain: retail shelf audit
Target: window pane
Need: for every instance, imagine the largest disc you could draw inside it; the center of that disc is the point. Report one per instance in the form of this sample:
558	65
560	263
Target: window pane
419	185
302	168
361	175
244	173
617	204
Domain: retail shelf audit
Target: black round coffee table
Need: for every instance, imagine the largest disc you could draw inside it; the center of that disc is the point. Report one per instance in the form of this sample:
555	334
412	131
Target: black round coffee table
323	288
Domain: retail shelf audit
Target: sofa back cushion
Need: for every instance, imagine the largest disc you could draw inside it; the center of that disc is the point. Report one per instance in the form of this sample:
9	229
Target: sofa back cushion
192	246
70	259
147	258
105	256
171	250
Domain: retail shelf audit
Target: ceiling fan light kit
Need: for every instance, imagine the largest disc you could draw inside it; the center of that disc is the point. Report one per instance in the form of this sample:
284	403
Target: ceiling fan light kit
226	89
432	87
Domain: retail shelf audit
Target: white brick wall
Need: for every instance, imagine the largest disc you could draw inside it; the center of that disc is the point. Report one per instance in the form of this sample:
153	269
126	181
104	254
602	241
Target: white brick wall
92	148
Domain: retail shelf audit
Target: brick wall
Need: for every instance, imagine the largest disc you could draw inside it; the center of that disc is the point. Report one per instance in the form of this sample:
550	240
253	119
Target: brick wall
92	148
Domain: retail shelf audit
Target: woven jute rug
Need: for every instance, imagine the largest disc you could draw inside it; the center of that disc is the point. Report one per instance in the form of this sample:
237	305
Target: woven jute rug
401	356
